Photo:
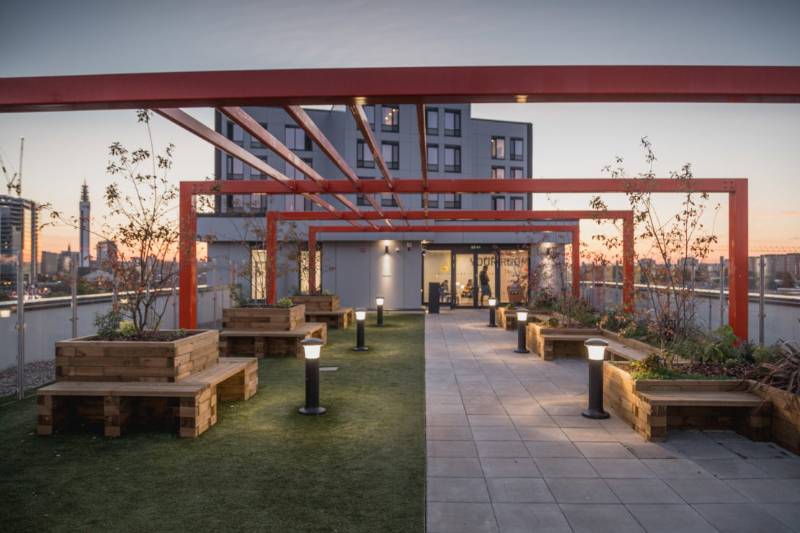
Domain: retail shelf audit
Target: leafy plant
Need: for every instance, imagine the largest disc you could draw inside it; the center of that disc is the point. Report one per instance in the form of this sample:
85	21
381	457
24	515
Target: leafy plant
107	324
782	370
285	302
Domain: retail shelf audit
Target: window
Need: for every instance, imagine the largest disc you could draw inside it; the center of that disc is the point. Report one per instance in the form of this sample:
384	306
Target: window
308	204
360	198
258	271
255	143
517	150
391	118
294	172
516	173
516	203
235	133
499	173
303	271
498	203
234	167
433	157
432	121
452	200
296	139
364	155
452	123
433	201
369	110
387	200
452	159
498	147
391	154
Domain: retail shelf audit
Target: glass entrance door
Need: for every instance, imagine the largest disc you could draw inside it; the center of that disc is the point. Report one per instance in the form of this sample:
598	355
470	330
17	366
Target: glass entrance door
464	288
486	270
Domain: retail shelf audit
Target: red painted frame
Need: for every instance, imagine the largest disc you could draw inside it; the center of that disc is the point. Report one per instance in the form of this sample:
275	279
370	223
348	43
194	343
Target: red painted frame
573	230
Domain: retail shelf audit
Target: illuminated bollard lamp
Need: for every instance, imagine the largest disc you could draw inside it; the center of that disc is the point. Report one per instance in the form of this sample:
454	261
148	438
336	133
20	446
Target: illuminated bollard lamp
492	312
596	350
379	304
522	324
361	318
311	349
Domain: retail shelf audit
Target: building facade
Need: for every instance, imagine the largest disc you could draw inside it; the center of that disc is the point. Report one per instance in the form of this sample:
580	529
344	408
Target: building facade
17	215
399	266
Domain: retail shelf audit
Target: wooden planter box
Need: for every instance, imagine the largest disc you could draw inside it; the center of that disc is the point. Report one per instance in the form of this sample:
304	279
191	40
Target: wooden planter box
682	403
89	359
264	318
318	302
785	428
549	342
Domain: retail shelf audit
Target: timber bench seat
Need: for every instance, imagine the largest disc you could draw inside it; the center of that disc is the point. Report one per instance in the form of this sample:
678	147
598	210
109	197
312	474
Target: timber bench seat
551	345
191	402
740	410
338	319
268	343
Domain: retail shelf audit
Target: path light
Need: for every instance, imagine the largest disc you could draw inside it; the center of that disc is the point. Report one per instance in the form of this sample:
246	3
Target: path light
596	348
311	349
379	304
522	323
492	306
361	317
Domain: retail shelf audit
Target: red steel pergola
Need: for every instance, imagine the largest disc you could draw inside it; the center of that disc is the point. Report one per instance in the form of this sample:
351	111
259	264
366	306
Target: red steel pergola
226	90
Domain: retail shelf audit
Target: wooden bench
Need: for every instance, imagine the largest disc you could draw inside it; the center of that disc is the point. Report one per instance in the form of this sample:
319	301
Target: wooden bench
740	410
270	343
339	319
192	402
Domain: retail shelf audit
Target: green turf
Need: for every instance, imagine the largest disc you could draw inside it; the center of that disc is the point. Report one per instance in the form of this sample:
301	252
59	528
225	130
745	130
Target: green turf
262	467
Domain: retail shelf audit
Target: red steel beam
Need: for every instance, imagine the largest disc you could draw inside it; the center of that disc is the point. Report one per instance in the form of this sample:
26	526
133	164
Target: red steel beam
313	231
302	119
545	83
363	124
480	186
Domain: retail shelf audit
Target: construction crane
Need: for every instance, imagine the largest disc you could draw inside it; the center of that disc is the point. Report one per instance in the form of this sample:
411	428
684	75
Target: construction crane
14	179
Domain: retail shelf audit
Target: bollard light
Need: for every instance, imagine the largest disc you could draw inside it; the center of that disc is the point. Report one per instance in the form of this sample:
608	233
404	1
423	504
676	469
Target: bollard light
492	311
522	323
596	350
379	304
361	317
311	349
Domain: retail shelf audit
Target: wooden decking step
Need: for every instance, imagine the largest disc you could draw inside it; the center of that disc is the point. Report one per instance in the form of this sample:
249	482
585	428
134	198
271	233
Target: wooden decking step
270	343
339	319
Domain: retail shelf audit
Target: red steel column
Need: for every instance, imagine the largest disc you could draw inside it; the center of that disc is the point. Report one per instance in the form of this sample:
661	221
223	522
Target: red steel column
627	263
312	260
737	252
187	244
576	262
272	252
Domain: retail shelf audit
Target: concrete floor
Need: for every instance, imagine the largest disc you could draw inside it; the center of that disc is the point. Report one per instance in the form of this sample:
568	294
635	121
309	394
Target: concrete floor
509	452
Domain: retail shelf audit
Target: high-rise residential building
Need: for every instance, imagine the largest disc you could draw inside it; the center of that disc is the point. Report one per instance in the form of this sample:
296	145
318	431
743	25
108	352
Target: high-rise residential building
85	207
398	266
18	216
48	266
106	254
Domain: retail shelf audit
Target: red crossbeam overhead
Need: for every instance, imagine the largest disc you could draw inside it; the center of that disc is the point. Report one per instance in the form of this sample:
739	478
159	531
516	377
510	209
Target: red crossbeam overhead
302	119
573	230
363	124
196	127
551	83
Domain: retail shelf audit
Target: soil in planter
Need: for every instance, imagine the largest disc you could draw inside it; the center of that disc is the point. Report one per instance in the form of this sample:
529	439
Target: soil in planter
147	336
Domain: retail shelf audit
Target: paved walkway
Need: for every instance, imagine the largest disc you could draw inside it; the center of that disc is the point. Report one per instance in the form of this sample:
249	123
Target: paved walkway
508	451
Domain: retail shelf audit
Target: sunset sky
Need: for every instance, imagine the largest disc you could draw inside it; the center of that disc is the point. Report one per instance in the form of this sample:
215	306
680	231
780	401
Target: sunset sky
761	142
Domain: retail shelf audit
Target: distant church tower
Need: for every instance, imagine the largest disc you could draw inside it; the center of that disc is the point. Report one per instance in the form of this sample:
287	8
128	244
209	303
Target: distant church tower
85	208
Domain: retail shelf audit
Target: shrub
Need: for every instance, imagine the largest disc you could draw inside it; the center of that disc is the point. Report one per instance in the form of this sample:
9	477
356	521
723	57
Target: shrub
285	302
107	324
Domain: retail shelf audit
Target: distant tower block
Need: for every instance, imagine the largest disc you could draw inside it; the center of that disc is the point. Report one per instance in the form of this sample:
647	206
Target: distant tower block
85	210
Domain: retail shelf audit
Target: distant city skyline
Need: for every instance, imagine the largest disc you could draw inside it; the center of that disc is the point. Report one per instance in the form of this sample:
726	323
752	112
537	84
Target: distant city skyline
569	140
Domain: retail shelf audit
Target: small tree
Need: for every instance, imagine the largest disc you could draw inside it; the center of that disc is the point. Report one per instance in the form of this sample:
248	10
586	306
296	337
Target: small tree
141	222
676	244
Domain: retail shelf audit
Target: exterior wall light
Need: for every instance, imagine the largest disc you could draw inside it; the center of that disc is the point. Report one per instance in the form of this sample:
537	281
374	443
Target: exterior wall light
596	349
5	313
361	317
522	327
492	306
311	349
379	304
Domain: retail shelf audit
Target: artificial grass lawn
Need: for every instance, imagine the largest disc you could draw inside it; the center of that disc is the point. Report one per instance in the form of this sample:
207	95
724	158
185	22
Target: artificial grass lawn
263	466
